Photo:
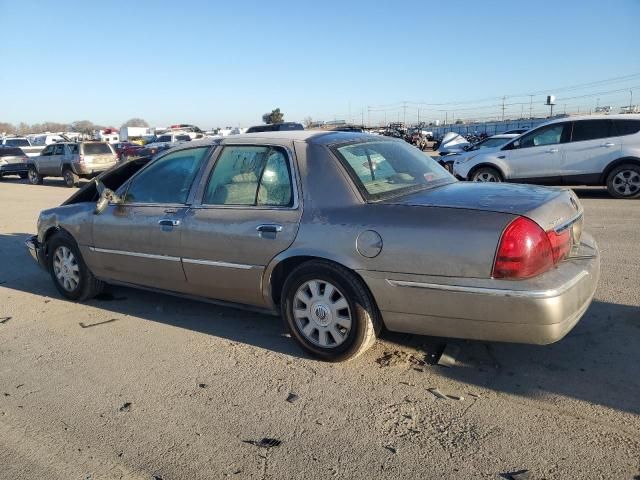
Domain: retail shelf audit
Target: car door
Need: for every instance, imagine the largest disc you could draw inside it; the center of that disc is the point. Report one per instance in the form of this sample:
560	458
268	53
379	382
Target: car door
247	213
42	161
537	155
138	239
594	144
54	162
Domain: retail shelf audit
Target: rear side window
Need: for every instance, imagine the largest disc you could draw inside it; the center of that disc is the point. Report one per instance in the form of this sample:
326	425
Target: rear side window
164	138
167	179
96	149
183	138
626	127
11	152
591	130
17	142
250	176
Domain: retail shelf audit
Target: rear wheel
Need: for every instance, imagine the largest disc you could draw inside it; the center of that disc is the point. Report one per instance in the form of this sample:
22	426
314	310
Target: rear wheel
34	177
69	273
624	181
329	311
486	174
70	178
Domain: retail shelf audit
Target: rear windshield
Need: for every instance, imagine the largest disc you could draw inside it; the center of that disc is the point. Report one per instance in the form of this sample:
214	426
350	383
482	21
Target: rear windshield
96	148
382	169
17	142
291	126
183	138
11	152
490	143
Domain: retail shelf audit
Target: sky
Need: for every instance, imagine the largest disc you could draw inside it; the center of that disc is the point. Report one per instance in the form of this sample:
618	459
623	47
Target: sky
216	64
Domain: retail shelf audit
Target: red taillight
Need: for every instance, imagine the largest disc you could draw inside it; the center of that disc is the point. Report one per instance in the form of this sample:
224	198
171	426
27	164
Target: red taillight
524	251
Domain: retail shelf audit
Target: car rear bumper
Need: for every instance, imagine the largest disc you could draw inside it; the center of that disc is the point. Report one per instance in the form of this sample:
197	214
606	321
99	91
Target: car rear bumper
540	310
36	251
13	168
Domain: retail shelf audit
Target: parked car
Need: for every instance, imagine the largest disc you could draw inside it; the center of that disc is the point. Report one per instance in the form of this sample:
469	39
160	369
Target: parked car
593	150
275	127
13	161
23	143
124	150
341	233
71	161
169	140
493	142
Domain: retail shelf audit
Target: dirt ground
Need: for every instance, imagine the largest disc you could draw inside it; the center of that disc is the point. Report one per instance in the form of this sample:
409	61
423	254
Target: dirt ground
141	385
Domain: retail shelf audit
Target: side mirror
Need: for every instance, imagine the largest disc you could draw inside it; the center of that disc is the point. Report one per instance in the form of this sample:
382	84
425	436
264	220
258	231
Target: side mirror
516	144
106	196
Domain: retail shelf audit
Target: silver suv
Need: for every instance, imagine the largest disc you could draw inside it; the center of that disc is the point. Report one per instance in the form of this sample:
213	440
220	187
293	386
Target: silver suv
71	161
594	150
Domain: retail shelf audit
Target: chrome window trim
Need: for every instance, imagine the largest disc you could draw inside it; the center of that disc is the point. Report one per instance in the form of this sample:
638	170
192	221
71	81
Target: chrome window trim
568	223
502	292
211	263
135	254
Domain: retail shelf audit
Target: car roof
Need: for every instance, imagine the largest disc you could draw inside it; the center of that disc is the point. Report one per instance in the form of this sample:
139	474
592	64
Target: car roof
574	118
318	137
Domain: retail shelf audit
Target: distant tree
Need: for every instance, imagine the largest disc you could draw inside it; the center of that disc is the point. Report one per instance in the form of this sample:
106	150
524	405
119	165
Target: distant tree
23	128
276	116
135	122
83	126
6	127
308	121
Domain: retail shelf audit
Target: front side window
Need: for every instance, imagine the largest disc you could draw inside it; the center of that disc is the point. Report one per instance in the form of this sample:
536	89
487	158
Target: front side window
584	130
387	167
549	135
167	179
59	150
250	176
48	151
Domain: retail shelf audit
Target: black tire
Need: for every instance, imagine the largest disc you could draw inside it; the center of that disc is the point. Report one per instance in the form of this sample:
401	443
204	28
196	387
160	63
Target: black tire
34	177
365	323
486	174
624	181
87	285
70	178
23	175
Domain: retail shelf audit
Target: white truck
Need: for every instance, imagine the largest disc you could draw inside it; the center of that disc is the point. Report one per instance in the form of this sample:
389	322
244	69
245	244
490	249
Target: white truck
127	133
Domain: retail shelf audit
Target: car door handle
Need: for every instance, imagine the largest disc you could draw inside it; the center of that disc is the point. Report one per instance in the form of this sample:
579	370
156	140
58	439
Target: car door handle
552	150
269	228
168	222
608	144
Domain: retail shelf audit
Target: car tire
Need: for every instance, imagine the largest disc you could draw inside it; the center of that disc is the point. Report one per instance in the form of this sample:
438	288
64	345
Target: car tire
486	174
23	175
70	178
329	311
34	177
624	181
70	275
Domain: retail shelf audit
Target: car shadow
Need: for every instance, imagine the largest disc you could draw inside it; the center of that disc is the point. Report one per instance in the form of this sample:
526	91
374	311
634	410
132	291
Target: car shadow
598	362
592	192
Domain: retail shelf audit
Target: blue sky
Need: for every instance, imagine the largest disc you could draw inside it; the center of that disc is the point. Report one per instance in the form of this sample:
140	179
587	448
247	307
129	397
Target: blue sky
226	63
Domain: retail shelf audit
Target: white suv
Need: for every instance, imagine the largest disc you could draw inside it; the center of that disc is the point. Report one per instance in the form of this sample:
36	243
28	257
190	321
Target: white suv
594	150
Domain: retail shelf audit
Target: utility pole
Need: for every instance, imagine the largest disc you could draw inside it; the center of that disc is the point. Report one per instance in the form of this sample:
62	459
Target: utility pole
368	115
418	115
630	101
503	99
530	106
445	118
404	113
362	117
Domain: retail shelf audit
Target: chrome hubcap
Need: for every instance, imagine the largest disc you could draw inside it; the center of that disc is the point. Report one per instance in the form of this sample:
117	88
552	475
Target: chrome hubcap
66	269
627	182
485	177
33	176
322	313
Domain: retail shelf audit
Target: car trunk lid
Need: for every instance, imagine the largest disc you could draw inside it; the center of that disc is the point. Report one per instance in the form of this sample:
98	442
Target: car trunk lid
551	208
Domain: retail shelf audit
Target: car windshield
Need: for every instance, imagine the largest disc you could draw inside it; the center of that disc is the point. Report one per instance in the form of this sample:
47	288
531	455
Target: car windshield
490	143
17	142
96	148
387	168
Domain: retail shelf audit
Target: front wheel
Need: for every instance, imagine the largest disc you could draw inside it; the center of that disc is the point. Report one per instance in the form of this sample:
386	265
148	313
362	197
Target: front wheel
329	311
486	174
624	181
70	275
34	177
